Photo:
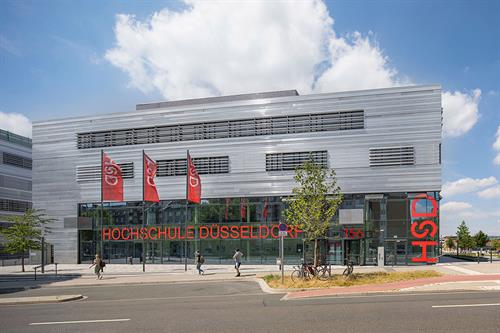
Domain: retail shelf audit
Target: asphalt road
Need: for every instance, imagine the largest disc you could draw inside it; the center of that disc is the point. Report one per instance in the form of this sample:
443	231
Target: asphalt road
242	307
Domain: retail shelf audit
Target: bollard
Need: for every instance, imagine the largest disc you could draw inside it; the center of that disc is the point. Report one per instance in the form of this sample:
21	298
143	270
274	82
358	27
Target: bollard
491	256
35	273
478	257
56	267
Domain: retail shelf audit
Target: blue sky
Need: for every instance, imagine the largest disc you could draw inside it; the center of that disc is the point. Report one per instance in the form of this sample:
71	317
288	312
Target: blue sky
68	58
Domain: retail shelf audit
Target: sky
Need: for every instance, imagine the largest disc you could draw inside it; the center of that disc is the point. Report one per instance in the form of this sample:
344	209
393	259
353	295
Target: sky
69	58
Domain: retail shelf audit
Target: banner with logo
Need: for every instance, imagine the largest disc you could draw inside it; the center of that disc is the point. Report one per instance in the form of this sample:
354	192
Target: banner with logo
148	179
193	182
111	179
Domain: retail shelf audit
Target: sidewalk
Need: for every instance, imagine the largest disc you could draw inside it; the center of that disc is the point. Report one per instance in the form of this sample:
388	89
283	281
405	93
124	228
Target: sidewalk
442	283
80	275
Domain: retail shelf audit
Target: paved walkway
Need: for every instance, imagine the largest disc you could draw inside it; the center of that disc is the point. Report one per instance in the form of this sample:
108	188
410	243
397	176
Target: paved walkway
81	275
409	285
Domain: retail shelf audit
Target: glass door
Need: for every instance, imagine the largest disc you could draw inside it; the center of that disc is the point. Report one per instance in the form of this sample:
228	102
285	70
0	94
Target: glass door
395	252
352	251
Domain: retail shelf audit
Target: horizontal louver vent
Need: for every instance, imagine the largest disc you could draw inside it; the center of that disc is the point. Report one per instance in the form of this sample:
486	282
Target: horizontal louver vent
14	205
333	121
204	166
289	161
17	160
15	183
92	173
392	156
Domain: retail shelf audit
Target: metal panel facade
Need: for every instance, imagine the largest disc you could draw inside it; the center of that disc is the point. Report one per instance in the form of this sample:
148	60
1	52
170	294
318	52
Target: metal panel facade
406	116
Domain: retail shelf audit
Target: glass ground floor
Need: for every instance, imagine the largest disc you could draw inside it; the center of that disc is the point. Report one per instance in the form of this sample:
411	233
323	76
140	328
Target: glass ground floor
396	228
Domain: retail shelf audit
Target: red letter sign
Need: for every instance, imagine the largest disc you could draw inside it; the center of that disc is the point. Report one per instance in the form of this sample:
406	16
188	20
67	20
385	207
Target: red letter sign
150	192
111	179
193	182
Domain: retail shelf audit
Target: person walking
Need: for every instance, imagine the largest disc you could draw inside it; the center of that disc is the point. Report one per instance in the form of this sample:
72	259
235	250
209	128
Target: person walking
199	260
237	261
98	266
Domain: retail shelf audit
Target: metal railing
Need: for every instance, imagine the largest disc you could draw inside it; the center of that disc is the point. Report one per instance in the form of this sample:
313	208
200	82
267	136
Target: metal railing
40	266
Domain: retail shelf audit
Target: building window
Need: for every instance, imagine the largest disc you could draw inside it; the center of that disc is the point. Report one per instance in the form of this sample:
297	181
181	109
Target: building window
392	156
204	166
14	205
290	161
92	173
332	121
17	160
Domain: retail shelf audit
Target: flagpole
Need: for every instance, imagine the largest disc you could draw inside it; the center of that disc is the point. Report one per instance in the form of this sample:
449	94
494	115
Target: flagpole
186	211
143	216
101	250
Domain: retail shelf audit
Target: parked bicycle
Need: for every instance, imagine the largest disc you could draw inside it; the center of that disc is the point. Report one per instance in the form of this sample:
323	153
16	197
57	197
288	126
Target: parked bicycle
308	272
349	269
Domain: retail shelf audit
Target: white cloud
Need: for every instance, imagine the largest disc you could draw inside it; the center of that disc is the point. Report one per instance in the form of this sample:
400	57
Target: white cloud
496	160
455	206
223	48
496	146
460	112
214	48
492	192
15	123
466	185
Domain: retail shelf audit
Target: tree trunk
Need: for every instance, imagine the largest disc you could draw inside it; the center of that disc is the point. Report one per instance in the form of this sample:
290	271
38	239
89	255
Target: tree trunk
315	252
22	262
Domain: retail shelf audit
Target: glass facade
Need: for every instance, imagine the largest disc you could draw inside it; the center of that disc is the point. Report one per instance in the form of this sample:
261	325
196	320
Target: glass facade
387	222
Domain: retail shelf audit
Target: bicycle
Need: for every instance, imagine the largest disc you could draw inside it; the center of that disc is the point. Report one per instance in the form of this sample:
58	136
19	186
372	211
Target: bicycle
349	269
301	272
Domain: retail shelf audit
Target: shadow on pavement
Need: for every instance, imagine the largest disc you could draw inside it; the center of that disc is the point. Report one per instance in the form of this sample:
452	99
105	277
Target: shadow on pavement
13	283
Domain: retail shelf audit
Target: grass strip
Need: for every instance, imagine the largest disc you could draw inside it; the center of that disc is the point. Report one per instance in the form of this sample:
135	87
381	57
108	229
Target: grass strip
356	279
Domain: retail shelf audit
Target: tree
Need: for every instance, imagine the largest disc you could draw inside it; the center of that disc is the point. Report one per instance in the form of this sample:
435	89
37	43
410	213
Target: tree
480	239
24	233
314	202
464	239
450	243
495	244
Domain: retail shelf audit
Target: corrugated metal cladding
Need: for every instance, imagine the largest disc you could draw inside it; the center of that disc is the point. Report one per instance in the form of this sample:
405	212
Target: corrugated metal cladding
393	117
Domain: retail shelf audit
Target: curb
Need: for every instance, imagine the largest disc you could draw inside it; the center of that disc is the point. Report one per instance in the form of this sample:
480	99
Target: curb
39	299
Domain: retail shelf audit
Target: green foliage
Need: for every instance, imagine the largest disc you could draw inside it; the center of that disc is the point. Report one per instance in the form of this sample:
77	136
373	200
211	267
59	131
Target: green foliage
450	243
495	244
25	232
315	201
464	239
480	239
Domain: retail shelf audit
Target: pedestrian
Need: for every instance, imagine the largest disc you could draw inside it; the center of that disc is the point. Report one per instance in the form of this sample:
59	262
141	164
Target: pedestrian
199	260
237	261
98	266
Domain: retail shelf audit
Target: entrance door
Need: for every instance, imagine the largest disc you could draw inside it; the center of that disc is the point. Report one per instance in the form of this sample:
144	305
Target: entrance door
395	252
352	251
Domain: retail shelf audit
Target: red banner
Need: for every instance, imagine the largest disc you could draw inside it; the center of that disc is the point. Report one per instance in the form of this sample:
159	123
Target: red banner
193	182
148	179
111	179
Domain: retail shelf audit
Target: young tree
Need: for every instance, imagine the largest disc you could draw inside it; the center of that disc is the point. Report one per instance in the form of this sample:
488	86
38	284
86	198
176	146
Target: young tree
464	239
495	244
25	233
450	243
480	239
314	202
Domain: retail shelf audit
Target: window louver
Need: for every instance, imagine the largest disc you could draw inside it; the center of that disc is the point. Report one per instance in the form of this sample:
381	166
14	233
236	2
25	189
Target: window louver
17	160
333	121
289	161
14	205
392	156
91	173
204	166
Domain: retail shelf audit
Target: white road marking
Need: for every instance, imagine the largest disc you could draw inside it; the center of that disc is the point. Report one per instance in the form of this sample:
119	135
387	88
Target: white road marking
79	321
465	271
465	305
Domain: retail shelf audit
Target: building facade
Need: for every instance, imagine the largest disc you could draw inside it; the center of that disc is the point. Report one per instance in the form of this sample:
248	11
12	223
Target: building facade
384	144
15	178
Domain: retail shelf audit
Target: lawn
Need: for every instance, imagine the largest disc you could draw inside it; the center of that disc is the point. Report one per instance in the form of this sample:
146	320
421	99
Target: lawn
274	280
